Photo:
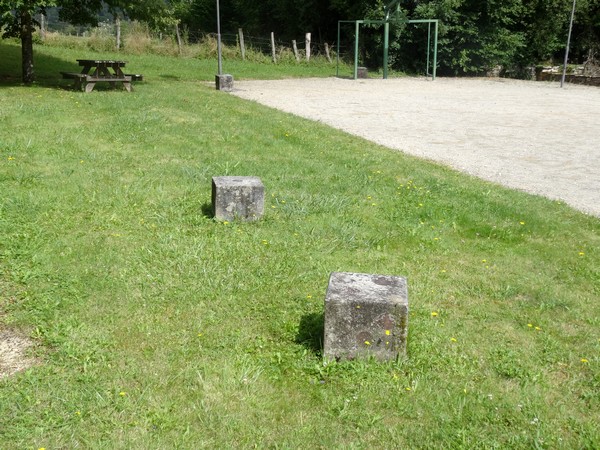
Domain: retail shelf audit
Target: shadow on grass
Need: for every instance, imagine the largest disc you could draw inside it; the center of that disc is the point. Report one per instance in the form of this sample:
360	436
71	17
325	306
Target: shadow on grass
46	68
169	77
207	210
310	332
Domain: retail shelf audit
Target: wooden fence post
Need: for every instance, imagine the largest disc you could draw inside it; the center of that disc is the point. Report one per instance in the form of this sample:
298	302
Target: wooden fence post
178	35
42	27
295	47
327	52
273	47
242	46
307	46
118	27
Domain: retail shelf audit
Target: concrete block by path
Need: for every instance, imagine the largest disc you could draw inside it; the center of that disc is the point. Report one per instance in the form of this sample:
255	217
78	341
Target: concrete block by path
238	197
365	315
224	82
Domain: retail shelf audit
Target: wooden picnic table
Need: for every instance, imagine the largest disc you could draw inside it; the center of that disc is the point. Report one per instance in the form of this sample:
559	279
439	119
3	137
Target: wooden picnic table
95	70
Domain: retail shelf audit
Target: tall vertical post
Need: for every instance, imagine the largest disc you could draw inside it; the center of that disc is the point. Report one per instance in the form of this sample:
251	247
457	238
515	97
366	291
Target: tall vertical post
220	62
428	48
356	50
435	49
386	48
337	56
564	74
242	45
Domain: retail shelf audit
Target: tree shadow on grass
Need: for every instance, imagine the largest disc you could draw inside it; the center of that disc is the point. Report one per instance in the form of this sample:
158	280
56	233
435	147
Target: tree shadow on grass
310	332
46	68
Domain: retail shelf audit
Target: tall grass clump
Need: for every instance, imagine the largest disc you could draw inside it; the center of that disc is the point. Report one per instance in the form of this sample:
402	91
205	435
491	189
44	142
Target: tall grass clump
138	39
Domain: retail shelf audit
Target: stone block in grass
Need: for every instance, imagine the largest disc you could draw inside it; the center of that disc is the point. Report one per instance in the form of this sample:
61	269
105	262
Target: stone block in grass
365	315
224	82
241	198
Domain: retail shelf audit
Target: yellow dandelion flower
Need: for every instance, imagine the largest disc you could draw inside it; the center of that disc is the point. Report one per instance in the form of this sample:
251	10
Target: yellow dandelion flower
367	343
453	339
408	389
581	253
122	394
530	325
585	361
387	332
522	223
434	314
538	329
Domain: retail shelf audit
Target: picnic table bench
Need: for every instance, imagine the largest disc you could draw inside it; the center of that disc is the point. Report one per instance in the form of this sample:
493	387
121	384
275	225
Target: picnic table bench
94	71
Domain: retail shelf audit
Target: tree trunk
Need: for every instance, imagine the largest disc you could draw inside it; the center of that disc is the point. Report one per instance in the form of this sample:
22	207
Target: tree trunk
26	31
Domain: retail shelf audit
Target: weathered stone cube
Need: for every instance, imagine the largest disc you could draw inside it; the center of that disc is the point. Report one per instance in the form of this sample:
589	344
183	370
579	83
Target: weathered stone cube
224	82
240	198
362	72
365	315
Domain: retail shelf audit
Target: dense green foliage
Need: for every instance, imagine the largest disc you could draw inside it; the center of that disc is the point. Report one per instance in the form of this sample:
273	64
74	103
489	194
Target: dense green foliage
475	35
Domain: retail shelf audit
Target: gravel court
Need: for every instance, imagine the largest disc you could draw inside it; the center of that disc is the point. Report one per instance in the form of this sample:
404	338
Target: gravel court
531	136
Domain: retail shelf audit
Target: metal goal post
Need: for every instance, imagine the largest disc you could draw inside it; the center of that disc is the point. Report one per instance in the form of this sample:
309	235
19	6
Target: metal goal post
386	42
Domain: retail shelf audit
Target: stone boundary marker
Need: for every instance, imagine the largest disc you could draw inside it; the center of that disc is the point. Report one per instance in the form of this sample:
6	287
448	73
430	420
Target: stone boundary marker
224	82
365	315
236	197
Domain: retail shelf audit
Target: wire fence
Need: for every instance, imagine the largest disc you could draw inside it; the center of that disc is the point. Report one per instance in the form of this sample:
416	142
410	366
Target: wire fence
262	44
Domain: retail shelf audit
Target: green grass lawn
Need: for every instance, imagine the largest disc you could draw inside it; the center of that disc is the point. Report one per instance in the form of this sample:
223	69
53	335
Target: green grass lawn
157	327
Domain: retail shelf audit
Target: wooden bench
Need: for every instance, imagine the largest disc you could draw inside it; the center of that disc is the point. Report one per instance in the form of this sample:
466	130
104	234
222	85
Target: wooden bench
135	76
78	77
91	80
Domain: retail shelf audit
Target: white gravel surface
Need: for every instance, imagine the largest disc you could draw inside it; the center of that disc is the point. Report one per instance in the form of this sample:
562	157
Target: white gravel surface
526	135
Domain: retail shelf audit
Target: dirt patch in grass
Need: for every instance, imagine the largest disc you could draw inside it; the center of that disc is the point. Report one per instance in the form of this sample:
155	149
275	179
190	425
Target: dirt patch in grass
14	353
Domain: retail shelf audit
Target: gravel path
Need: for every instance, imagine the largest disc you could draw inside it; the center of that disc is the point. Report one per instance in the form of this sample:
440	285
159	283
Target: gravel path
525	135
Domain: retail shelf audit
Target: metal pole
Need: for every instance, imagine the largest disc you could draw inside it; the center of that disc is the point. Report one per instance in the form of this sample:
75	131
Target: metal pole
337	56
386	48
435	49
220	63
564	74
428	48
356	51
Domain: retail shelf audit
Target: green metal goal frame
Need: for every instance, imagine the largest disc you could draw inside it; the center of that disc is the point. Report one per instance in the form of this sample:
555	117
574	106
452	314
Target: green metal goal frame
386	42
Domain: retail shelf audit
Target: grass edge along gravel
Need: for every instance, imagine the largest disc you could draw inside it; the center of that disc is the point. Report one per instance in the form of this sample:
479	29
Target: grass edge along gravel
158	327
